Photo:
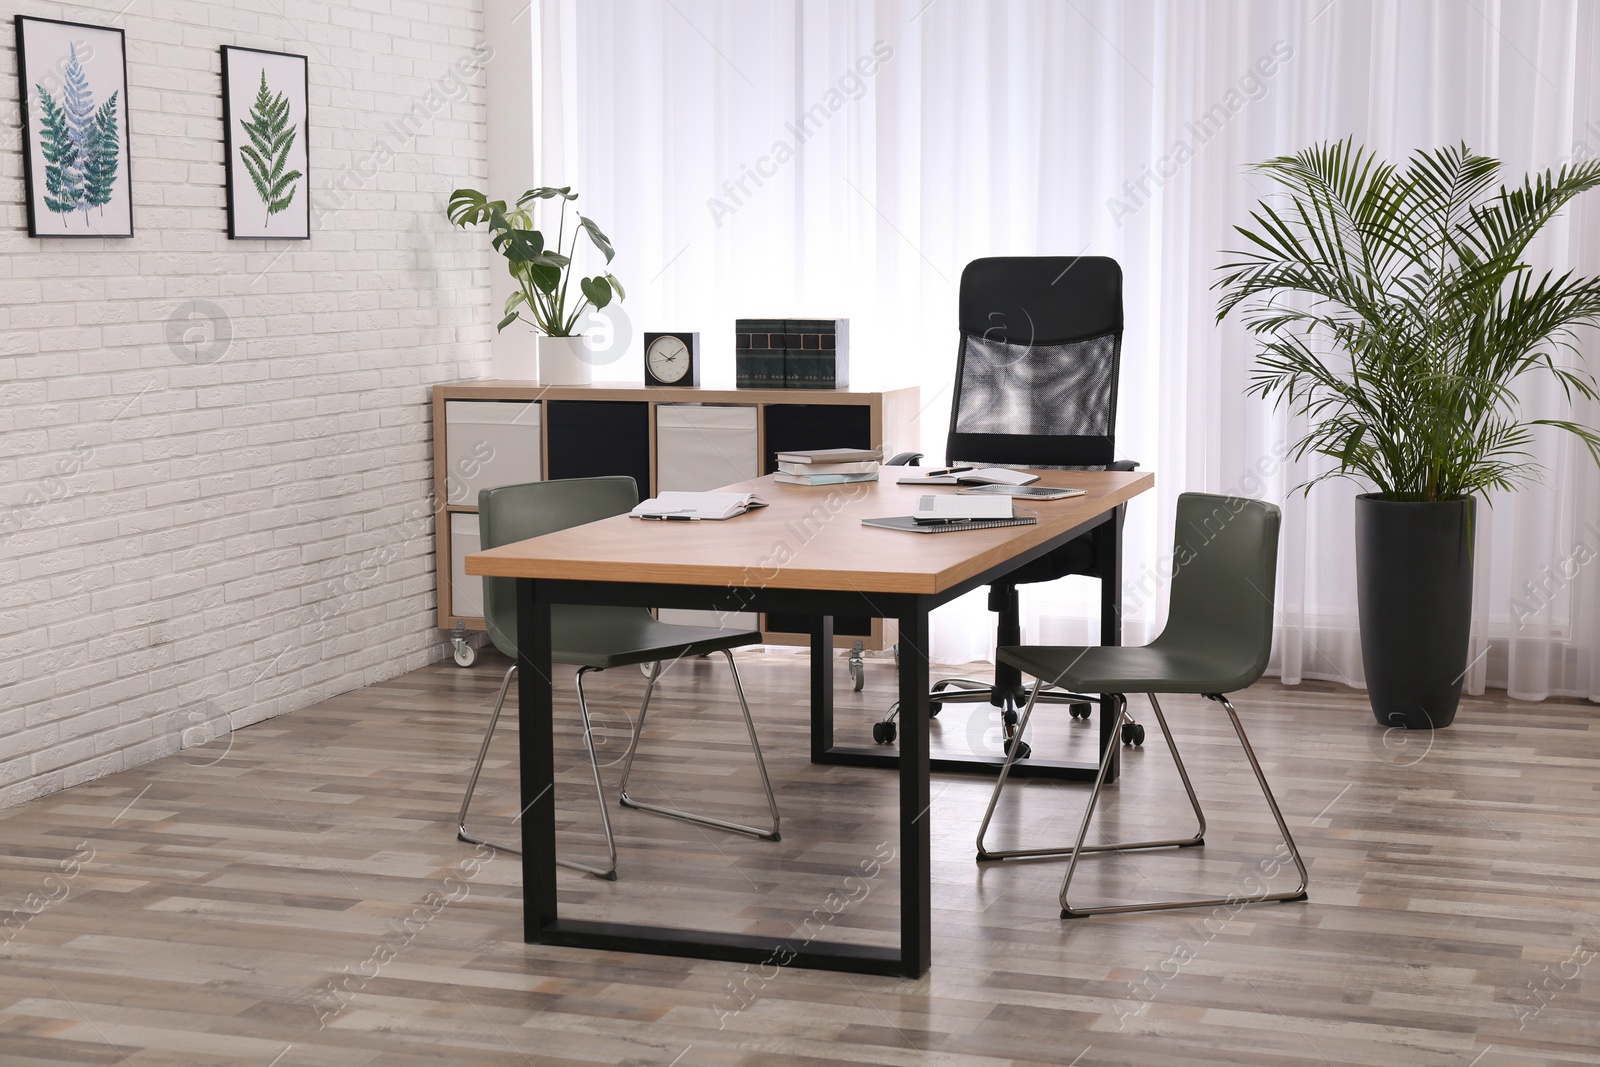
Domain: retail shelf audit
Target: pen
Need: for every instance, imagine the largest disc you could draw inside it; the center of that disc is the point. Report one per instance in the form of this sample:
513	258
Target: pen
669	518
941	472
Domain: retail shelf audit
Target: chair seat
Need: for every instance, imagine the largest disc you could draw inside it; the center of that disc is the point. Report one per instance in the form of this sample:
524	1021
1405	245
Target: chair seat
602	638
1154	668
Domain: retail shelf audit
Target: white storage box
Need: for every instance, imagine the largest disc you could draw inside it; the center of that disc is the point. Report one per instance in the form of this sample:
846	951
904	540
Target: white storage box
466	590
701	447
490	443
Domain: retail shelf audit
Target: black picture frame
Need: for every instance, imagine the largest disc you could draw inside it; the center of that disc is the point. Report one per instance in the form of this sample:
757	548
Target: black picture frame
274	79
76	147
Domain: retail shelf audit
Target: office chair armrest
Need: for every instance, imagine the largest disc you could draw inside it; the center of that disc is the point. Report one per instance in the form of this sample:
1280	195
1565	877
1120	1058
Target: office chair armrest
903	459
1123	465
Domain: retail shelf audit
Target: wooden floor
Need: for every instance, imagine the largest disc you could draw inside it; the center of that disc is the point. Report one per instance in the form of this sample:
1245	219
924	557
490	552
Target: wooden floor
294	895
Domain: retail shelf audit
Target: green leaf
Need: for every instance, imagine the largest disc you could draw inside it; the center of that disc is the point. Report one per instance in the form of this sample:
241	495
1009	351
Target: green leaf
600	240
63	170
468	207
266	156
507	321
546	193
596	290
612	278
544	277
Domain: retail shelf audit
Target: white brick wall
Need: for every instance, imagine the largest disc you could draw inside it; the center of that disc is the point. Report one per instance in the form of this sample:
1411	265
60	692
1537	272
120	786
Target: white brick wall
189	545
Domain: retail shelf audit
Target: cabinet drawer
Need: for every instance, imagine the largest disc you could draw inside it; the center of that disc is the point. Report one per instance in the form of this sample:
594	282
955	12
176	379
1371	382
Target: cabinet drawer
466	590
489	443
701	447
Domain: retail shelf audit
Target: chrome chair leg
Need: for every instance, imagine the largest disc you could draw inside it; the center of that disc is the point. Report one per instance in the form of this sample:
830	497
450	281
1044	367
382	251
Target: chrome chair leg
770	834
462	833
477	769
1198	838
610	872
1298	893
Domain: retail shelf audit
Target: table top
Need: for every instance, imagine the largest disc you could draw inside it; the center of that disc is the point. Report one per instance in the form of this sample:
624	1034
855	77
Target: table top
808	537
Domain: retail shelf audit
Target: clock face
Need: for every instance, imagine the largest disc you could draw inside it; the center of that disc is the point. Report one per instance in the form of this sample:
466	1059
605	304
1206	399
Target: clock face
667	359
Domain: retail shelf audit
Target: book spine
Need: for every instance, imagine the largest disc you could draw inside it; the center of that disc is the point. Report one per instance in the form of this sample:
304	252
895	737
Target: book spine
819	353
758	355
744	363
791	356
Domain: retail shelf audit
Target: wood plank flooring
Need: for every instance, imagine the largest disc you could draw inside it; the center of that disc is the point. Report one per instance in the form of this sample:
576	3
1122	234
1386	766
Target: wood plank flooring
294	896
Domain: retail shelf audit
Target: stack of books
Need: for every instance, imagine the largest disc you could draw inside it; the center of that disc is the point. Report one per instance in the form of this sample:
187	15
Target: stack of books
828	466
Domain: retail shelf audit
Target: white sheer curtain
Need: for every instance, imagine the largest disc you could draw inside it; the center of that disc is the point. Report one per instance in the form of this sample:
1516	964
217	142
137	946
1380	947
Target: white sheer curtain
835	158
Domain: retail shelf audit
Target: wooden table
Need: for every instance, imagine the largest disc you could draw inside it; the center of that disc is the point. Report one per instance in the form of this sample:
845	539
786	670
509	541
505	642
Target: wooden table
807	553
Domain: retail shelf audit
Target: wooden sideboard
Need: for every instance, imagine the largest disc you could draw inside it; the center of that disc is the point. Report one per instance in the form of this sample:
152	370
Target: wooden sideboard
490	432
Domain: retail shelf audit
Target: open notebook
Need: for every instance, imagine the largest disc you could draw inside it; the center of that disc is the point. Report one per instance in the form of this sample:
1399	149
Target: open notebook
685	507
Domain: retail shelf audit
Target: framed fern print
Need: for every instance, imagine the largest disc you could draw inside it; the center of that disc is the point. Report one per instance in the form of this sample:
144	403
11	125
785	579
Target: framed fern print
74	92
265	135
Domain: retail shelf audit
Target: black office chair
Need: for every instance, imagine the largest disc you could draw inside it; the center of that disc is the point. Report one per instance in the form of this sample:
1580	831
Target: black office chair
1035	386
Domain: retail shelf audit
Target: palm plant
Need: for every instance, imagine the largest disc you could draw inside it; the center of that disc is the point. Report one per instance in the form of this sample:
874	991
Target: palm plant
542	274
1394	310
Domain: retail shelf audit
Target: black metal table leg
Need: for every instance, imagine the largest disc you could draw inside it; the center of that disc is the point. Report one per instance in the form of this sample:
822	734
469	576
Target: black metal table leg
821	688
916	922
535	700
543	925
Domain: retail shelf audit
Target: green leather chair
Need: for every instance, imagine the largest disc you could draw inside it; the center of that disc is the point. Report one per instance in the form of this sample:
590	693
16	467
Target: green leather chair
595	639
1217	640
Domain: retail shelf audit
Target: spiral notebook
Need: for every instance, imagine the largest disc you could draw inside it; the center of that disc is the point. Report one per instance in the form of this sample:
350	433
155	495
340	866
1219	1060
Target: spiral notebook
906	522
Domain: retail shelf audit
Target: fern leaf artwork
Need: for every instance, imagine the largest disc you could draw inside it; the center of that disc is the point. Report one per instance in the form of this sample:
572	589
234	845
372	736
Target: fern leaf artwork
101	157
266	157
63	168
75	129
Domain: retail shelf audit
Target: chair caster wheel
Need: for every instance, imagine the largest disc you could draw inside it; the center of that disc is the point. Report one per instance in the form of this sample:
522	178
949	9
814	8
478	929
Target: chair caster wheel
1080	711
465	654
1024	750
858	667
883	733
1132	733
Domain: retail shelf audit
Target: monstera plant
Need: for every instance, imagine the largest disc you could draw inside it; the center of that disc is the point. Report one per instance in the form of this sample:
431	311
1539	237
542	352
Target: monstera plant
1395	311
542	272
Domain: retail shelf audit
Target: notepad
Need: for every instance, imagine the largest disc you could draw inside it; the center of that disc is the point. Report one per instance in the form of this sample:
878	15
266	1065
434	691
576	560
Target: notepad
688	507
1027	492
983	476
910	525
942	507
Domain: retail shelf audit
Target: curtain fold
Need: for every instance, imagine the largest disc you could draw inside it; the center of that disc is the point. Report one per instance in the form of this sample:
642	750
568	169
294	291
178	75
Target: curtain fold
847	159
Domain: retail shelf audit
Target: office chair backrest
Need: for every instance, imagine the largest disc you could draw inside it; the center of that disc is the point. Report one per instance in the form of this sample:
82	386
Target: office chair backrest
1036	370
1224	584
517	512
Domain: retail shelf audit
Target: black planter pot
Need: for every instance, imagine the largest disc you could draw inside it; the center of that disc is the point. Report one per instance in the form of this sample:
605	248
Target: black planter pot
1414	586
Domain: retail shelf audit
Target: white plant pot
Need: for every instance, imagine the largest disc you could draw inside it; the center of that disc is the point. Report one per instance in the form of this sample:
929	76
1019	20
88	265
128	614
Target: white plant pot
514	357
565	361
